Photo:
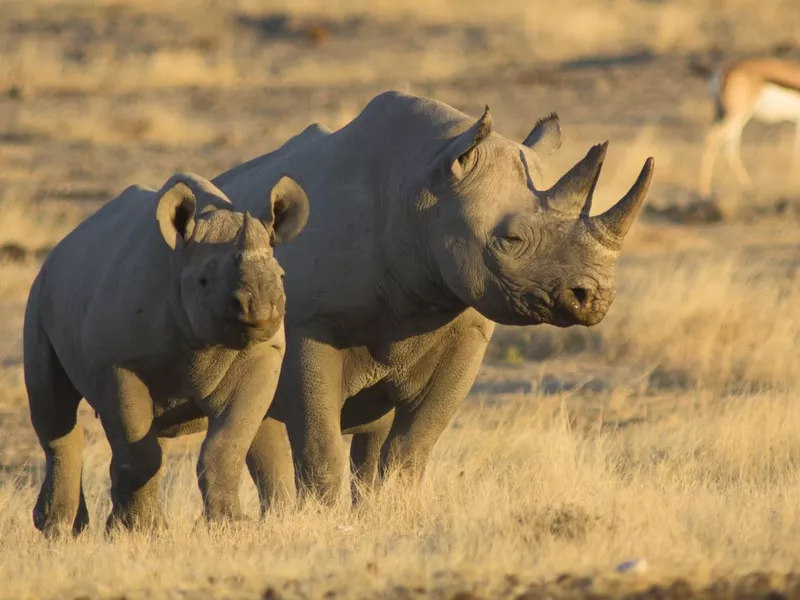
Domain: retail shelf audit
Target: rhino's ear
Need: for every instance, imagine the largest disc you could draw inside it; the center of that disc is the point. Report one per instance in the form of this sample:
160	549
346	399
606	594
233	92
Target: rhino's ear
175	215
288	209
460	148
545	137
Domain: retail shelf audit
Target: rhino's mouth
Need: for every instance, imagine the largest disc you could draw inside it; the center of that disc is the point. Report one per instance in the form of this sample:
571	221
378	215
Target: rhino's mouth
530	308
538	307
238	333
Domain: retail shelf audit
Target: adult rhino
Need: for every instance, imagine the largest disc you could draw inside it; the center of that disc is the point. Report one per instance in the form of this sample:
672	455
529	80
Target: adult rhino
164	310
426	229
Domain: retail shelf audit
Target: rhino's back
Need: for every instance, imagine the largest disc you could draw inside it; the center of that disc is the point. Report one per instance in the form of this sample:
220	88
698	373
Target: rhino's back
243	184
106	237
99	268
353	177
337	241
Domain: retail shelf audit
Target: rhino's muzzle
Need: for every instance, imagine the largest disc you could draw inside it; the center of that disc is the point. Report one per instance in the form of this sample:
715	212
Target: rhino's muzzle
263	319
252	311
239	333
252	320
578	306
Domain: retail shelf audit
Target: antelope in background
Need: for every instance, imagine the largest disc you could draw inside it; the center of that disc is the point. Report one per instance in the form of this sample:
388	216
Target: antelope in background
767	90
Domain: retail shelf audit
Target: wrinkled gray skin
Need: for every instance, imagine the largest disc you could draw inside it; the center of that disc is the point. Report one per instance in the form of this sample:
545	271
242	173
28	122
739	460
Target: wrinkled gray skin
165	311
426	228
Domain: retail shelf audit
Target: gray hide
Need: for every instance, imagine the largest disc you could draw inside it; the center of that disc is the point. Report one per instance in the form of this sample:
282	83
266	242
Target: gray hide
165	311
426	228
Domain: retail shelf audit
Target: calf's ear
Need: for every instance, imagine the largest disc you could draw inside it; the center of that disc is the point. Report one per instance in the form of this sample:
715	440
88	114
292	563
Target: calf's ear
288	210
176	215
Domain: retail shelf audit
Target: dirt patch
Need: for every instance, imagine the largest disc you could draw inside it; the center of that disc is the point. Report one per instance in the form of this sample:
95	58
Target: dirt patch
753	586
568	586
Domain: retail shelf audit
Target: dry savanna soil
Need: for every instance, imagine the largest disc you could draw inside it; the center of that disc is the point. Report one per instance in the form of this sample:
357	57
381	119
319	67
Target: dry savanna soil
668	435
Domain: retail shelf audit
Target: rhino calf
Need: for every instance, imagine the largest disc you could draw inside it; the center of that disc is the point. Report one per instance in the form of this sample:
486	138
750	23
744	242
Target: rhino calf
163	309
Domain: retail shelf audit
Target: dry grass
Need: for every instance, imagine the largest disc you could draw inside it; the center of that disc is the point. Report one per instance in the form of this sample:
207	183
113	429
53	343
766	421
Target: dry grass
702	484
686	451
522	489
25	230
716	321
204	49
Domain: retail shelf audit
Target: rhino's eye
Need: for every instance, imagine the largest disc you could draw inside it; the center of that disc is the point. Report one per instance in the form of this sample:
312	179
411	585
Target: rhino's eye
511	244
203	282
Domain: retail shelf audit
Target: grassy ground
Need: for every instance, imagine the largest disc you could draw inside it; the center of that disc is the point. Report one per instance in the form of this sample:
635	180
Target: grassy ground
669	433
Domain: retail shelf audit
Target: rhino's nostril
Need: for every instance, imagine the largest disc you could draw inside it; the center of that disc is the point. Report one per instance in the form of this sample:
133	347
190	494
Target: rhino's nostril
240	304
582	295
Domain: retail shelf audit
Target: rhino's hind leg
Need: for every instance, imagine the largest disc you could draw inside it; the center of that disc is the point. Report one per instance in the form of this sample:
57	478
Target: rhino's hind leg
269	461
365	456
53	402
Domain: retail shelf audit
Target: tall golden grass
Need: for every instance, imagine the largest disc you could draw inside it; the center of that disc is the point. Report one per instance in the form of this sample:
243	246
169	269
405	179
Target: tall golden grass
686	457
520	489
700	478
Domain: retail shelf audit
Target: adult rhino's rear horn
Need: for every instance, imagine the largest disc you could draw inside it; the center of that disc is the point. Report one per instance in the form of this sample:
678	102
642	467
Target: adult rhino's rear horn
617	220
573	193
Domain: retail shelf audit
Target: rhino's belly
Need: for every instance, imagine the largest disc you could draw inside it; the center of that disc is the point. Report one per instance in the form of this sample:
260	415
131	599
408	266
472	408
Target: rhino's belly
374	387
367	407
177	417
375	366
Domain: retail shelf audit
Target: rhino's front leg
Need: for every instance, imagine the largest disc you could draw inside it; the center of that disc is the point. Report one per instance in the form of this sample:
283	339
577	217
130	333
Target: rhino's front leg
311	396
235	413
421	417
126	412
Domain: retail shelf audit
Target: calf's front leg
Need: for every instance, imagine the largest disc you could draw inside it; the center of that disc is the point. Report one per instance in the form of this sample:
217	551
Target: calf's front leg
235	413
126	412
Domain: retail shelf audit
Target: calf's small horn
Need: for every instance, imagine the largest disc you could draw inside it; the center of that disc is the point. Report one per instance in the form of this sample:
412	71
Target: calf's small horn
247	242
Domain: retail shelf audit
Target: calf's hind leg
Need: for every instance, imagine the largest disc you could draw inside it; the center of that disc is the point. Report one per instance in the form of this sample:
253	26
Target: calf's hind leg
53	402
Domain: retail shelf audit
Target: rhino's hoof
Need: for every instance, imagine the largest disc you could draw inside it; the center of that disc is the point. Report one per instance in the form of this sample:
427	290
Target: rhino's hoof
52	528
117	522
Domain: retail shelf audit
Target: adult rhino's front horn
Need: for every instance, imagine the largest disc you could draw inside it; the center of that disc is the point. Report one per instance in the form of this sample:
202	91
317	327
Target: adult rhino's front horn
573	192
617	220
